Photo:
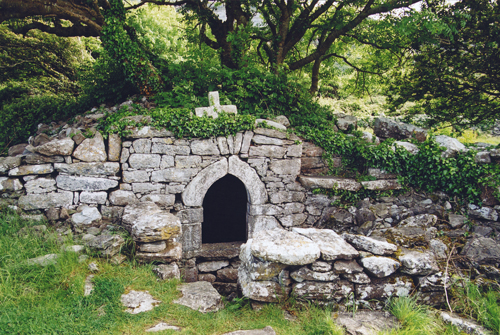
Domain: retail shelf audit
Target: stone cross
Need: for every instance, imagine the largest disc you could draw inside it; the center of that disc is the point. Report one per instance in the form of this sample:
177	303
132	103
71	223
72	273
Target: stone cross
215	107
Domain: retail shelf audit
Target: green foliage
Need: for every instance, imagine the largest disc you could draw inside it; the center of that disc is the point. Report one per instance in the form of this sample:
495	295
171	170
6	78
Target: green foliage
452	76
458	176
478	303
120	41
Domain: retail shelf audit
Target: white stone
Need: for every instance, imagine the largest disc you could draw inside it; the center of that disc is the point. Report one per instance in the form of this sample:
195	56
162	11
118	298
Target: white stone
245	144
238	140
257	269
204	147
223	145
421	220
73	183
200	296
255	188
266	291
286	166
93	197
142	146
173	175
410	147
307	274
380	267
139	176
160	226
138	302
144	161
452	145
163	200
162	326
88	215
62	147
330	182
382	185
418	263
331	245
270	151
24	170
257	223
371	245
270	124
13	184
122	198
284	247
195	191
212	266
45	260
89	169
45	201
183	162
91	149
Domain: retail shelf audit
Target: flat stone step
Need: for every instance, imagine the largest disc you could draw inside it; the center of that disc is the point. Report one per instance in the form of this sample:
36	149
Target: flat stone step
329	182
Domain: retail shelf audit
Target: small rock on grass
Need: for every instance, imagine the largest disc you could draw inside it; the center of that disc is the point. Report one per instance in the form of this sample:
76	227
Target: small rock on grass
89	286
138	302
367	323
467	326
93	267
162	326
50	259
264	331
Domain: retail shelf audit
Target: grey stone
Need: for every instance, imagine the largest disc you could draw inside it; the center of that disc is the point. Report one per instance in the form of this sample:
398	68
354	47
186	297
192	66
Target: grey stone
212	266
418	263
152	247
286	166
452	145
482	157
164	200
31	169
346	121
270	124
13	185
371	245
227	275
255	268
223	145
247	138
357	278
284	247
88	286
45	201
124	155
482	250
114	147
382	185
421	220
293	220
166	162
294	150
204	147
257	223
320	266
93	197
91	149
46	260
384	127
397	287
191	215
93	267
266	290
286	196
138	302
143	188
173	175
89	169
132	213
8	163
331	245
182	162
466	325
265	209
484	213
380	267
73	183
172	253
305	273
410	147
283	120
439	248
159	226
367	322
122	198
142	146
293	208
456	221
260	139
167	271
144	161
349	267
170	150
62	147
330	182
17	149
264	331
86	216
148	132
139	176
326	291
34	159
381	174
238	140
200	296
106	245
161	327
74	248
271	151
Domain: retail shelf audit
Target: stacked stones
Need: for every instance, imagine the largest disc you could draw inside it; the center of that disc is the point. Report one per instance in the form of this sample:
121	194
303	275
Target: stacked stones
322	266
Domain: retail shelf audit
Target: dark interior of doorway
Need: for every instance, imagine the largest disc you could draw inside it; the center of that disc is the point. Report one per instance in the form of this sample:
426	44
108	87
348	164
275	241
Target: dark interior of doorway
224	211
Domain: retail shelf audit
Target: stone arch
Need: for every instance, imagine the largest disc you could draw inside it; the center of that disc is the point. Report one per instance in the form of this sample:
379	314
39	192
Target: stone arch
195	191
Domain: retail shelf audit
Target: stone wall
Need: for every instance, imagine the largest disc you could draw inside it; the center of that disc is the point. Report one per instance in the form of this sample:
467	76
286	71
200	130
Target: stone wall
153	185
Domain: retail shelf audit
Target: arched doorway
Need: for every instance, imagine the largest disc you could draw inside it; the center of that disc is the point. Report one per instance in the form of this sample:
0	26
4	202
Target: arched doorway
225	211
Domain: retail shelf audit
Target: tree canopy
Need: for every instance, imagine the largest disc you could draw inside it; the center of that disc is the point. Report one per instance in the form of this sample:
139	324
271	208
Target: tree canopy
453	73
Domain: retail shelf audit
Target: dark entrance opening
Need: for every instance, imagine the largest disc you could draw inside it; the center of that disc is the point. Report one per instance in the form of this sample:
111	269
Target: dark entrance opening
224	211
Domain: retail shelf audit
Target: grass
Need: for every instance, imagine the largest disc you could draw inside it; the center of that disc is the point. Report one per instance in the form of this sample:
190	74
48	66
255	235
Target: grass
49	300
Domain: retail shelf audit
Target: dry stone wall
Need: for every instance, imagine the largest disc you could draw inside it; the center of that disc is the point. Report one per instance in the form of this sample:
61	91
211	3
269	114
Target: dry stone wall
153	185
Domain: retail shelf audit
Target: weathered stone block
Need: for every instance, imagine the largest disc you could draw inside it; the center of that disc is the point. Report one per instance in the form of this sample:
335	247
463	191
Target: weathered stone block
25	170
271	151
144	161
73	183
173	175
122	198
89	169
93	197
286	166
204	147
45	201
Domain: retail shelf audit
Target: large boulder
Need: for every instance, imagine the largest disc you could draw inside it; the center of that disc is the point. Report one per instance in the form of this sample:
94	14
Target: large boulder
284	247
385	128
